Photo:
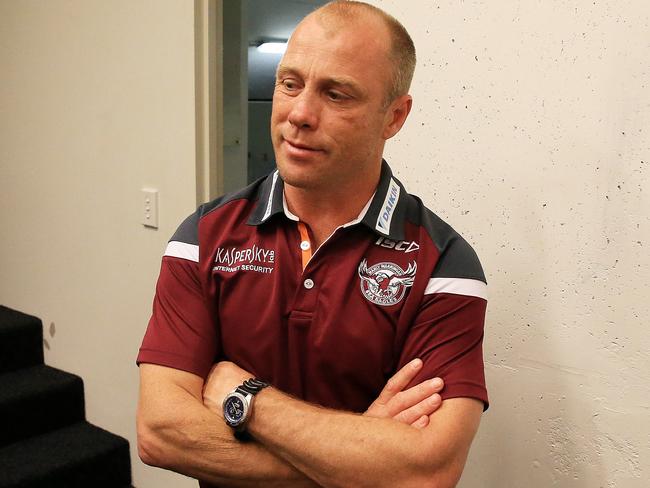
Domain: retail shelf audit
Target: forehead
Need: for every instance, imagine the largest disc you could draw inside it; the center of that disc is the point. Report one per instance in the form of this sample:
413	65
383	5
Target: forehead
349	49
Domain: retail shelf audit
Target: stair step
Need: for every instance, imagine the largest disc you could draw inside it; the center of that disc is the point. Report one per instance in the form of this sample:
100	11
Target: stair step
76	456
37	400
21	340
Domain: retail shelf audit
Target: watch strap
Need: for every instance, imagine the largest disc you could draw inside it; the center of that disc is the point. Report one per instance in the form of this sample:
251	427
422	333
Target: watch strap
241	390
242	435
253	386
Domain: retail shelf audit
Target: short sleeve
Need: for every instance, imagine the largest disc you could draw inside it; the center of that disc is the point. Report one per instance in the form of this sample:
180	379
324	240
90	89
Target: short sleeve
182	332
447	333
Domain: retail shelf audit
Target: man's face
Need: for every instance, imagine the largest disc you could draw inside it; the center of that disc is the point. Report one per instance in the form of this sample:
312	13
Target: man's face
328	121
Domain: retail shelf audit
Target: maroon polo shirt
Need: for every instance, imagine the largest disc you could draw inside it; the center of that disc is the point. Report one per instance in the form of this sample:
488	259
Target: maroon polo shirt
396	284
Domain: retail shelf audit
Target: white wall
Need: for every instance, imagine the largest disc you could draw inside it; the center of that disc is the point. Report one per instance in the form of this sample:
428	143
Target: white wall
96	102
531	135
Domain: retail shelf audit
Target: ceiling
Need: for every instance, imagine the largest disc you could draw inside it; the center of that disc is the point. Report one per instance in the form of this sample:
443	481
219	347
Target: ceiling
274	19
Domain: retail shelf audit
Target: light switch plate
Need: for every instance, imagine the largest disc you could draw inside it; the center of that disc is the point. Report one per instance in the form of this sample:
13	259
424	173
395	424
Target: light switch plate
150	208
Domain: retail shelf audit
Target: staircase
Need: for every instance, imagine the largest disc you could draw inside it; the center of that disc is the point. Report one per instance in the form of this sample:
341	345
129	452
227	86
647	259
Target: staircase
45	441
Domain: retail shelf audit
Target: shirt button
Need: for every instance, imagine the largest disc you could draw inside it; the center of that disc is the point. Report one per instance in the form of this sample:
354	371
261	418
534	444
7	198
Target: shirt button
304	245
309	284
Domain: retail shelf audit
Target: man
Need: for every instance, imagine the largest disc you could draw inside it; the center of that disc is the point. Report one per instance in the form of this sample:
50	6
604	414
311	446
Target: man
323	280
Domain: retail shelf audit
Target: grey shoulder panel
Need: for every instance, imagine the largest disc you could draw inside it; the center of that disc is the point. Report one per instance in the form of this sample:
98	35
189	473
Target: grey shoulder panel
249	192
457	258
188	231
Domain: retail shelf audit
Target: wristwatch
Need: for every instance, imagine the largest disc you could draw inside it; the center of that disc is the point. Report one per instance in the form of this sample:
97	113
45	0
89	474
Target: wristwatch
238	404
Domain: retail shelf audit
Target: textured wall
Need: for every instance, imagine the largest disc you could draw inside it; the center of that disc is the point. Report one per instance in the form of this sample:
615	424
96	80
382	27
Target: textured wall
530	134
96	101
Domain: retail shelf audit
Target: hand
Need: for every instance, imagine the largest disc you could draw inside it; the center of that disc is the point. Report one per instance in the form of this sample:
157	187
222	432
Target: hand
412	406
223	378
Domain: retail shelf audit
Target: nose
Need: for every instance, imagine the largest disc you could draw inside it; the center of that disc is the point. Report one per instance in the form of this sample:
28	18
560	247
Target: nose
304	111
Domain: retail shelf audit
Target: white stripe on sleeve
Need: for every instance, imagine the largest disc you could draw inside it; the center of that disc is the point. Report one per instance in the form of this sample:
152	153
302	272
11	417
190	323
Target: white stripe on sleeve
457	286
182	250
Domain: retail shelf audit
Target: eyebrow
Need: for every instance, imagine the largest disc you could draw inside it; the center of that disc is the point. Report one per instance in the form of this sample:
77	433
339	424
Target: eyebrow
344	82
285	70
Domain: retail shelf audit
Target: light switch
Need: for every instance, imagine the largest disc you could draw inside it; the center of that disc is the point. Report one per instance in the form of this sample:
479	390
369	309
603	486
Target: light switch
150	208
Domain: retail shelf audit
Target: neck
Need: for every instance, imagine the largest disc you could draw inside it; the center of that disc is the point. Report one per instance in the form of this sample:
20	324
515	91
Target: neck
323	210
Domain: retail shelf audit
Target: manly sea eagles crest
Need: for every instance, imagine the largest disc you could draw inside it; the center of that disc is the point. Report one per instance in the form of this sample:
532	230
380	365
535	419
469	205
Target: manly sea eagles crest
385	283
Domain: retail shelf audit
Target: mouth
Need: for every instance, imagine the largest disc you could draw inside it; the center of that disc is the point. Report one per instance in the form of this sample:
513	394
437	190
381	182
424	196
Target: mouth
300	148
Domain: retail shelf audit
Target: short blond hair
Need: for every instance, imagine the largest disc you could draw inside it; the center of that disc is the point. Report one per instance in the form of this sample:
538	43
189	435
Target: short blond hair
402	49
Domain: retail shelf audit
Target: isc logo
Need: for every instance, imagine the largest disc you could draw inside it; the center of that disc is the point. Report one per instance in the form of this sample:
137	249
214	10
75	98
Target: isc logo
404	246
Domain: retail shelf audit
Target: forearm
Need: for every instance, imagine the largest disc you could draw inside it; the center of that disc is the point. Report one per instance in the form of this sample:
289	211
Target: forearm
342	449
181	434
339	449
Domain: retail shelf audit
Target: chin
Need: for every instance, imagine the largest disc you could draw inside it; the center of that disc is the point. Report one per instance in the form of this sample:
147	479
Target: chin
294	178
298	177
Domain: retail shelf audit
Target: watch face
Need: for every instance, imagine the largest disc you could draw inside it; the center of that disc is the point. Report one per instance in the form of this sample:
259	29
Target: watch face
234	409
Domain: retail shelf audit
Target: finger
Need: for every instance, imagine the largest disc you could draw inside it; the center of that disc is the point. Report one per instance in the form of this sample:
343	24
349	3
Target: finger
425	407
421	423
399	380
414	395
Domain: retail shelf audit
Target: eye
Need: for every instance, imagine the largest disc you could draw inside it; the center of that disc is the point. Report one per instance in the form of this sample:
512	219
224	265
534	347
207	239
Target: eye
338	96
335	96
289	84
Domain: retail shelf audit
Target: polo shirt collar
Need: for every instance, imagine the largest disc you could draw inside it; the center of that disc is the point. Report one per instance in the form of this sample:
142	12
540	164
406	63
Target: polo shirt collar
385	213
270	201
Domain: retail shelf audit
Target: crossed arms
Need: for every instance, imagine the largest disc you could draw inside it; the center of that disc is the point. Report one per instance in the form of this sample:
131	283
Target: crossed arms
405	438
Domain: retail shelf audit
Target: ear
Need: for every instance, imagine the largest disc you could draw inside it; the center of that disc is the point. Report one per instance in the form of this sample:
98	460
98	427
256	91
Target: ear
396	115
